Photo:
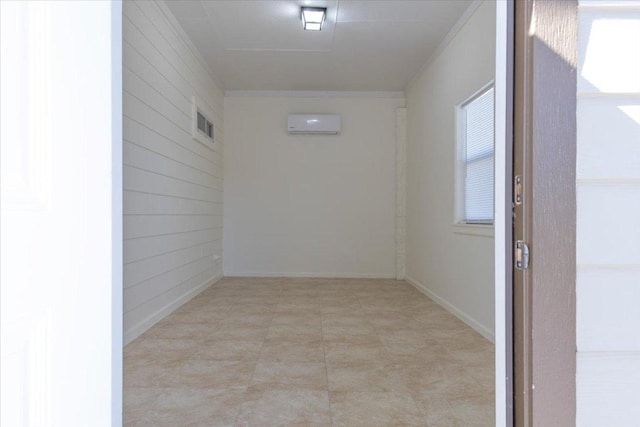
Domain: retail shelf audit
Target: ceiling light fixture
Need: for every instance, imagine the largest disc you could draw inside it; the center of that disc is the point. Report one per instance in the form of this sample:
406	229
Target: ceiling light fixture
313	17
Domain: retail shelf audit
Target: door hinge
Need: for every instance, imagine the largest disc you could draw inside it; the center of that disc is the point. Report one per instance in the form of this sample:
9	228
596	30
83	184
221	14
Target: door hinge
522	255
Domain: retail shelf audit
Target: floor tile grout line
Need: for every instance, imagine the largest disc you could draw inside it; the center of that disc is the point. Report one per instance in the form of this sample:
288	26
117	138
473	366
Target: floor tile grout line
326	366
255	368
370	307
387	367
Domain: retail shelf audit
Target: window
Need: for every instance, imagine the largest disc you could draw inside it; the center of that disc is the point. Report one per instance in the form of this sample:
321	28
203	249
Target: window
475	141
202	124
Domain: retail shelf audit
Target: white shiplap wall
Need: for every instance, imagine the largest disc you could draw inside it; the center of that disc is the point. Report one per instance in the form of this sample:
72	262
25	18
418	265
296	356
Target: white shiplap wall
172	183
608	209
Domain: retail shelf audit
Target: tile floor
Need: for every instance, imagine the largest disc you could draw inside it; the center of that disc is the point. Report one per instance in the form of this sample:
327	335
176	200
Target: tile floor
309	352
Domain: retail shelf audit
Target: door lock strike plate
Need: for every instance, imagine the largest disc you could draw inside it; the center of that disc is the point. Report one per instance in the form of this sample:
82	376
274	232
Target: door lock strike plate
517	190
522	255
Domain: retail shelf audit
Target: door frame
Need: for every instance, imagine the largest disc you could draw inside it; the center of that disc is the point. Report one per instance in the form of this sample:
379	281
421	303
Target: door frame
503	271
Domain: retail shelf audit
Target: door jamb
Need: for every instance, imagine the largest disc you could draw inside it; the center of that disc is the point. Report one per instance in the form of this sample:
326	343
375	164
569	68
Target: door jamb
503	275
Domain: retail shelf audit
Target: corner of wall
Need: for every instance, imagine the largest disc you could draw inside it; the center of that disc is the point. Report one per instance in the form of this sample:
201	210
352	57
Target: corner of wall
466	15
401	192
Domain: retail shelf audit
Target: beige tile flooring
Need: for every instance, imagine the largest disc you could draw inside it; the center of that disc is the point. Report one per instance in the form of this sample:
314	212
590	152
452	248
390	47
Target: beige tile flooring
309	352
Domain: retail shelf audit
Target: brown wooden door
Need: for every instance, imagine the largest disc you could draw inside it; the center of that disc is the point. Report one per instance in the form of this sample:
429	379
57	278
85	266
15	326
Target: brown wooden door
544	216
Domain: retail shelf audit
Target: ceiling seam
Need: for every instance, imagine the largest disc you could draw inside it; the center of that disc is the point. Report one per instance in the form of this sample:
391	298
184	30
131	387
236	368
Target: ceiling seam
335	25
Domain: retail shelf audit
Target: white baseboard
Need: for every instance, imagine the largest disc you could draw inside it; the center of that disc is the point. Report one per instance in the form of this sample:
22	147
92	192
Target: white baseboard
311	275
480	328
135	331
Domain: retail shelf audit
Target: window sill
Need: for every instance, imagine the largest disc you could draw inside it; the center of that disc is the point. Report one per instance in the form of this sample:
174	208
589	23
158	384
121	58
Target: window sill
482	230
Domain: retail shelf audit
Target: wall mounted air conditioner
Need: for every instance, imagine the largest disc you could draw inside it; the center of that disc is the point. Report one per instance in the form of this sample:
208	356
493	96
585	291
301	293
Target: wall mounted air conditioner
327	124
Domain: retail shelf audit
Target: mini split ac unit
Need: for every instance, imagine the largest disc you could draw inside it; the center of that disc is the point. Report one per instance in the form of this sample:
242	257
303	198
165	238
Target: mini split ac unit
327	124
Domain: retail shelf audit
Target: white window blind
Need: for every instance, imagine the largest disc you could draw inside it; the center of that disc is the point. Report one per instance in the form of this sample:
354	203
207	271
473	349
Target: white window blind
478	159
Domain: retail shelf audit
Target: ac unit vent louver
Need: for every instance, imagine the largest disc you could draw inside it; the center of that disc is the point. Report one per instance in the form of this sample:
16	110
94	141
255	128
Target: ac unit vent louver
327	124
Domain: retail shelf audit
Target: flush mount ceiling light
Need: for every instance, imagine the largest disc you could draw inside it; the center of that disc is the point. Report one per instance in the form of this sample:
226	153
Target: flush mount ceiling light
313	17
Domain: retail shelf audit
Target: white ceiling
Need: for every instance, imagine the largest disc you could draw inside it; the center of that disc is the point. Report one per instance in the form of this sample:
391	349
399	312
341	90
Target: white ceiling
363	46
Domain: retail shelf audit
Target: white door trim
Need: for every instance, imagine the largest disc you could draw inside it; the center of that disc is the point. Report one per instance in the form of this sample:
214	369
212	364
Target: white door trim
502	214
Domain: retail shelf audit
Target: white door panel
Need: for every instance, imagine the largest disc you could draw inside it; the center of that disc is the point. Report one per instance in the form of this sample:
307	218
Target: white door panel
61	284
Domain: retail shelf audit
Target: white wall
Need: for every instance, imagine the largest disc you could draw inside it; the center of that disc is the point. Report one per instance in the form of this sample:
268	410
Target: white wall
455	269
172	183
608	208
310	205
